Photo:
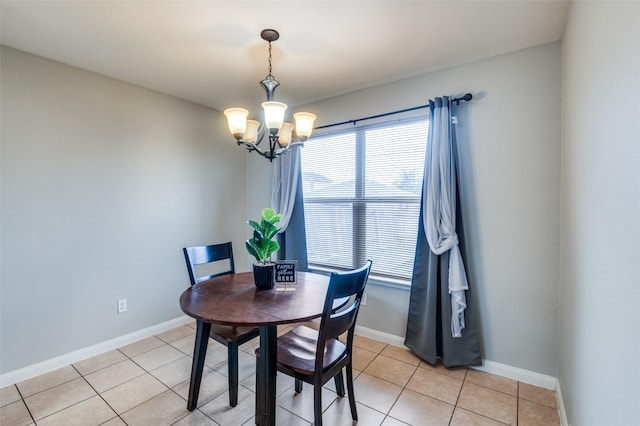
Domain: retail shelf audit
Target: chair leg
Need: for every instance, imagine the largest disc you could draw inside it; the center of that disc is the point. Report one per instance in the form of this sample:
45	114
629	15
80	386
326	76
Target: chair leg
352	398
339	383
298	385
199	354
317	404
232	360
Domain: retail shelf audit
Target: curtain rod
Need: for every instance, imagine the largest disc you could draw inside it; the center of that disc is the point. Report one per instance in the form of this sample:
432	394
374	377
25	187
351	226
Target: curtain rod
466	97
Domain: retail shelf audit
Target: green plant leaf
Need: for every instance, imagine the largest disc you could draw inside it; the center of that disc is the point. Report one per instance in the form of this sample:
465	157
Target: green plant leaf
272	247
270	230
252	251
255	225
261	246
268	214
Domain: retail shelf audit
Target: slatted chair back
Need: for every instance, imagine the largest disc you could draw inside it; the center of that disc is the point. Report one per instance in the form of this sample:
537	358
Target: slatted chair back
349	284
201	255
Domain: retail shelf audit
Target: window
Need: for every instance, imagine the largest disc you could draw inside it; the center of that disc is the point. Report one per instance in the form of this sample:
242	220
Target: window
362	192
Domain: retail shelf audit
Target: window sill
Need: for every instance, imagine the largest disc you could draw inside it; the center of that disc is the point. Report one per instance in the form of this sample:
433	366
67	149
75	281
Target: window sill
390	282
373	280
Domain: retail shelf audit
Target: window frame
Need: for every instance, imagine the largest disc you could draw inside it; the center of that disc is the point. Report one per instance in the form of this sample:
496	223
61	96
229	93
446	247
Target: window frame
359	201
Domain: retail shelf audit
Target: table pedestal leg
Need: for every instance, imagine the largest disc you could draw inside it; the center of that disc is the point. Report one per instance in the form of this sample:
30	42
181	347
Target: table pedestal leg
266	377
199	354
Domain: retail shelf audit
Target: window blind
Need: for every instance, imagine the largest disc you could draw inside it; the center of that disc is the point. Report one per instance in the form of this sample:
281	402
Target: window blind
362	192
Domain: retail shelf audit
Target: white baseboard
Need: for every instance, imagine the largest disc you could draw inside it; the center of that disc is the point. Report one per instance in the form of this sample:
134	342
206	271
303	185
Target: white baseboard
381	336
30	371
519	374
563	413
514	373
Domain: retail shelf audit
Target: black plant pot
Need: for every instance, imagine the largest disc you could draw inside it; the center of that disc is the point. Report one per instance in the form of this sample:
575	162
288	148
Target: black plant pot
264	275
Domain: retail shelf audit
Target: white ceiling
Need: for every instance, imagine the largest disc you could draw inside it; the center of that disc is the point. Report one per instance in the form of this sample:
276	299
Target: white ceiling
211	53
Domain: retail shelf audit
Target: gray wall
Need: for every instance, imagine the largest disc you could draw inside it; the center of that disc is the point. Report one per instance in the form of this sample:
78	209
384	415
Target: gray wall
103	183
73	182
599	349
510	155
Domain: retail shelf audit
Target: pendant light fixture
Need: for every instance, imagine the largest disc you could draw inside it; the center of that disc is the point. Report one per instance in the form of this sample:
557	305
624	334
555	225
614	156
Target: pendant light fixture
281	135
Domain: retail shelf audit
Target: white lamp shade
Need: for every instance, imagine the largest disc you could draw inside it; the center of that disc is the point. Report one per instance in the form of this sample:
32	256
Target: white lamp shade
304	124
273	115
237	121
284	135
251	134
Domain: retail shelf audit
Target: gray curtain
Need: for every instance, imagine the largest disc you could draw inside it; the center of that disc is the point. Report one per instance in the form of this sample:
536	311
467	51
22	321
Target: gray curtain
433	329
294	239
287	199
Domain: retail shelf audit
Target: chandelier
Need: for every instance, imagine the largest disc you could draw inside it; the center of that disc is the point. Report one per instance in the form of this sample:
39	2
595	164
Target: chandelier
251	133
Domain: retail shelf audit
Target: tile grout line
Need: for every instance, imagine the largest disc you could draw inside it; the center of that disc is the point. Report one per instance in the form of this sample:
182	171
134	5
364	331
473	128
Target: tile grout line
25	403
346	396
68	406
517	402
187	380
163	384
64	408
401	391
146	372
479	414
459	393
100	395
150	373
23	398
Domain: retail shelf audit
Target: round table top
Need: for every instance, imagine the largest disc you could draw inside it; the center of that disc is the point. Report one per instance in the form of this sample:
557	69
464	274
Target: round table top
234	300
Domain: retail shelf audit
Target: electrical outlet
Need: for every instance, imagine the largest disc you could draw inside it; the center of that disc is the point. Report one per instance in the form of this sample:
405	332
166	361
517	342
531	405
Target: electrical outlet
122	306
364	299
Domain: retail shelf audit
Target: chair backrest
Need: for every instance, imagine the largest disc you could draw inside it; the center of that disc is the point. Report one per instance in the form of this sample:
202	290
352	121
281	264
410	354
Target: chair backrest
201	255
349	284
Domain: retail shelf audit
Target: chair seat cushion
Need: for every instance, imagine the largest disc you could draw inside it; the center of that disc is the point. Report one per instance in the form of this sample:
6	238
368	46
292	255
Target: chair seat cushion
297	350
230	333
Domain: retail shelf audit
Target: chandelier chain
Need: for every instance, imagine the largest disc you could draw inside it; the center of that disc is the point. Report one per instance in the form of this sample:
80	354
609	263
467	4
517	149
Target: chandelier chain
269	75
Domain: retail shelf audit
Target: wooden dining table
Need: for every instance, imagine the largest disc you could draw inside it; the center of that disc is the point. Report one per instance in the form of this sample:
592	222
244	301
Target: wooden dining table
234	300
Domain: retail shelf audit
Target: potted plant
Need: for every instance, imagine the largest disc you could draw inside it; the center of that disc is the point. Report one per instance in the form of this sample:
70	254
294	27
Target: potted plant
262	245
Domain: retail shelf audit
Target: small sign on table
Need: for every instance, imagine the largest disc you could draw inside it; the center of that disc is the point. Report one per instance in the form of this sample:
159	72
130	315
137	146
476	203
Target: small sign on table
286	274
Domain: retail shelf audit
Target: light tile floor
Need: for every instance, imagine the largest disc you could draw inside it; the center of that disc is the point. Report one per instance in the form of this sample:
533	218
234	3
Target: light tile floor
146	383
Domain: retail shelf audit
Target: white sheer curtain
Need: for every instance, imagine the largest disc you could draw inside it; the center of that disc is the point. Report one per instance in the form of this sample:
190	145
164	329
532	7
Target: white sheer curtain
286	170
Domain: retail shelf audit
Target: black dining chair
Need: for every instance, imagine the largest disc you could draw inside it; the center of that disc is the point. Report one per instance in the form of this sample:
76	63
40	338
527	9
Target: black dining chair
230	336
318	356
